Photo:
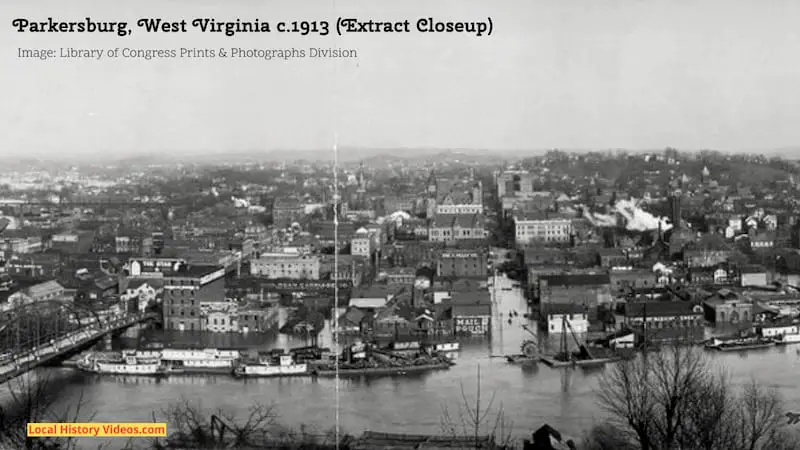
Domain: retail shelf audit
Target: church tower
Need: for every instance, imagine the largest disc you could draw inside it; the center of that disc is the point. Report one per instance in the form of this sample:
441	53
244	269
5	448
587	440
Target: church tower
433	185
361	190
705	175
477	193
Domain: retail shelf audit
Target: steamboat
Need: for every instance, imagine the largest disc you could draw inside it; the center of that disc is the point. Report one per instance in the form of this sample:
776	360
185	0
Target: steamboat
127	365
271	365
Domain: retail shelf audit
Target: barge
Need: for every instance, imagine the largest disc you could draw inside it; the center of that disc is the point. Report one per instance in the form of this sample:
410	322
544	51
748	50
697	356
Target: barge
583	357
557	363
530	348
742	344
381	371
523	359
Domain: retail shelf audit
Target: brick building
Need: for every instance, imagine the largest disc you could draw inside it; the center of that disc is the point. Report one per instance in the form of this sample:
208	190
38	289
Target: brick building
462	263
589	290
185	289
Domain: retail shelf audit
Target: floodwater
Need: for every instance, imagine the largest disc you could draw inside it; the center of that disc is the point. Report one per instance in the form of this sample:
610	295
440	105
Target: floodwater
527	397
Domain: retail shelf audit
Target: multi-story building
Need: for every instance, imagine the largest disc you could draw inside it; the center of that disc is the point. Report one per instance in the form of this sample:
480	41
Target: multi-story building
130	243
185	289
285	211
395	204
472	313
34	266
283	265
72	242
21	245
361	244
458	227
514	182
410	253
706	257
566	318
662	321
539	227
220	316
462	263
587	290
256	319
622	280
152	267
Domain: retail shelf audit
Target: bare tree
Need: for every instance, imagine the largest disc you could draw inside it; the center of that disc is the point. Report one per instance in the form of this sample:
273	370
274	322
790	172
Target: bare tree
32	398
483	424
671	399
760	417
197	428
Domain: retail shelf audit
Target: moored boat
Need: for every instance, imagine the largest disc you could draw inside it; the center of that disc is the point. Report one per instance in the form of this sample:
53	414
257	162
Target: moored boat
202	361
449	350
522	359
381	371
740	344
282	366
787	339
130	366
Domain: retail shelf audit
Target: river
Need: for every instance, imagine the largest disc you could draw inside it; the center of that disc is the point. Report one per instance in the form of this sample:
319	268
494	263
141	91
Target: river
528	397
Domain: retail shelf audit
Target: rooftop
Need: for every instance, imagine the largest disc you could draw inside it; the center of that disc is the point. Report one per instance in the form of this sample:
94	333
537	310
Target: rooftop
192	271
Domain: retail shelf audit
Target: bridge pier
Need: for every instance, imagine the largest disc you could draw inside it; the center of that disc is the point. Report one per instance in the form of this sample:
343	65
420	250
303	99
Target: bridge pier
135	330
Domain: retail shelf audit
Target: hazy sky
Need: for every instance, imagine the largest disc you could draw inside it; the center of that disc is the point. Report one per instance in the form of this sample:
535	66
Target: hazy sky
722	74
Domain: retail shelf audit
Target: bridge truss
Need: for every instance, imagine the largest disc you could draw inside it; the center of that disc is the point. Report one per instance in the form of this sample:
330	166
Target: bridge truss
30	326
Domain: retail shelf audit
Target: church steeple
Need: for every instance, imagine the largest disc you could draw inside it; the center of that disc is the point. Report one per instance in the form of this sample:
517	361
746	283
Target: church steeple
361	185
433	185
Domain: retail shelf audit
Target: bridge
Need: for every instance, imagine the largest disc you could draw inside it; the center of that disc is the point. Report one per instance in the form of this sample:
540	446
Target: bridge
43	332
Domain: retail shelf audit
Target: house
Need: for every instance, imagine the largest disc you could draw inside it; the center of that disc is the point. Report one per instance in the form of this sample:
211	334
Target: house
753	275
98	286
567	318
670	320
350	321
389	322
